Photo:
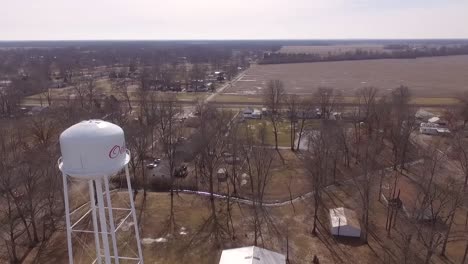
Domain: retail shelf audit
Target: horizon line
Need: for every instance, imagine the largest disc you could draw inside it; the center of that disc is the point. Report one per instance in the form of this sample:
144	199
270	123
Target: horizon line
240	39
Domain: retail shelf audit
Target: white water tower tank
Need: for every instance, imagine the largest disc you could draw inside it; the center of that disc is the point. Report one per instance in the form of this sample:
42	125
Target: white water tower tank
93	149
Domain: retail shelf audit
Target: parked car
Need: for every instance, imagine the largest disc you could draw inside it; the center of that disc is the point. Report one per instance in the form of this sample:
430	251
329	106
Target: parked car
152	165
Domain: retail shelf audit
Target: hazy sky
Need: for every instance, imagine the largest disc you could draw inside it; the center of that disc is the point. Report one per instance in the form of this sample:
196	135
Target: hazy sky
232	19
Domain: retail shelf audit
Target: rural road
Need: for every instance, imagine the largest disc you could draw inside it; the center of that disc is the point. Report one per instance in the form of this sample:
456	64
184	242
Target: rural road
225	86
229	104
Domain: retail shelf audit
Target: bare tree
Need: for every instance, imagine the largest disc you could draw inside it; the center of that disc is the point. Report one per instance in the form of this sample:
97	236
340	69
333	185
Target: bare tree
328	100
273	97
164	114
463	110
367	98
364	183
90	87
403	123
318	166
80	90
292	103
259	160
460	154
304	111
12	229
10	97
142	94
122	89
137	143
212	143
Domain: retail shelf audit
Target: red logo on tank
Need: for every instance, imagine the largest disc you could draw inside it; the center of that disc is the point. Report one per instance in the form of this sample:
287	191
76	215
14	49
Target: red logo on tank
116	151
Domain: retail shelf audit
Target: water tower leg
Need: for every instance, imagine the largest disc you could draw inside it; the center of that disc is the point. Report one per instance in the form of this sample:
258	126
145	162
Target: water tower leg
135	222
102	220
111	220
67	219
95	223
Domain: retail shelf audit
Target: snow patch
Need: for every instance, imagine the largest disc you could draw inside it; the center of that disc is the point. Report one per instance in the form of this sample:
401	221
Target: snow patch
149	241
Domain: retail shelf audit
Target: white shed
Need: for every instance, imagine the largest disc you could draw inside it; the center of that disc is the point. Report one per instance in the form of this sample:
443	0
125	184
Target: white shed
222	174
344	222
251	255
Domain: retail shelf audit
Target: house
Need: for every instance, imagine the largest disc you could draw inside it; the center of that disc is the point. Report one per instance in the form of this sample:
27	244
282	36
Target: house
433	129
422	114
428	130
219	76
251	255
197	86
344	222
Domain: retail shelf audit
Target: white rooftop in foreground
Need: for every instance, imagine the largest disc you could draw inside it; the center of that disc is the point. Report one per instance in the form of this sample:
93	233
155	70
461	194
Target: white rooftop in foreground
344	222
251	255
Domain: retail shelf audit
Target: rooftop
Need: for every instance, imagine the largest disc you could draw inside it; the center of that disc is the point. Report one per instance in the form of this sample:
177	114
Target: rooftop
342	216
251	255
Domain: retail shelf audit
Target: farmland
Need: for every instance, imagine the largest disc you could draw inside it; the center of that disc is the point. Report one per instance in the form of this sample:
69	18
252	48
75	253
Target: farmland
427	77
331	49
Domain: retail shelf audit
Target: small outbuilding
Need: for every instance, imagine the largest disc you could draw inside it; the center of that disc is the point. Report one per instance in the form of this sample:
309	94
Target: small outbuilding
222	174
344	222
251	255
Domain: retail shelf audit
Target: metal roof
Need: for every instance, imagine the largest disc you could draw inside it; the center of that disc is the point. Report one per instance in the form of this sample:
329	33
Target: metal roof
342	216
251	255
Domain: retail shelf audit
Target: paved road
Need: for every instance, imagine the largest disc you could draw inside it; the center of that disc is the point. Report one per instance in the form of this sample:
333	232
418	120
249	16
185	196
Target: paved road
225	86
229	104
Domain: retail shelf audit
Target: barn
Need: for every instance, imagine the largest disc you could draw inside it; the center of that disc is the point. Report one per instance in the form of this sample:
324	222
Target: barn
344	222
251	255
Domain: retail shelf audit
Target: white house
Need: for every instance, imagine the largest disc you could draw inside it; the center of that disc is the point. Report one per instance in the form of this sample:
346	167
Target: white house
433	129
428	130
251	255
422	114
344	222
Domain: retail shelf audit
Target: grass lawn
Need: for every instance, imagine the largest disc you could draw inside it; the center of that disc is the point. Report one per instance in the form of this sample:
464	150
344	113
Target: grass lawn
283	131
227	98
191	212
284	137
286	177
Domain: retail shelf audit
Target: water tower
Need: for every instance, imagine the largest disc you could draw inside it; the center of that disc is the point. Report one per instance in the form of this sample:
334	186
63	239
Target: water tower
92	152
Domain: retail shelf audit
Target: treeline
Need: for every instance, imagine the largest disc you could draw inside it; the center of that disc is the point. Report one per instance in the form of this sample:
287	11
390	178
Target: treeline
113	54
360	54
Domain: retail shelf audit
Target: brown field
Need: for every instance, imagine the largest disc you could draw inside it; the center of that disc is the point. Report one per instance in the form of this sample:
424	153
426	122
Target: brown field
427	77
330	49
